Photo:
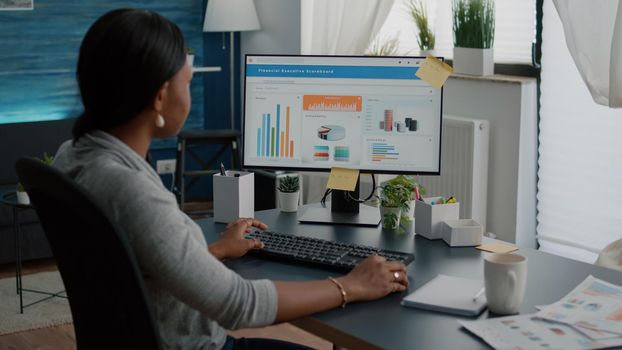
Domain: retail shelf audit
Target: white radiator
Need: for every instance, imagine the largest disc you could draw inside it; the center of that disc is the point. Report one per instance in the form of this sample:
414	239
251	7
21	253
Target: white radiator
464	166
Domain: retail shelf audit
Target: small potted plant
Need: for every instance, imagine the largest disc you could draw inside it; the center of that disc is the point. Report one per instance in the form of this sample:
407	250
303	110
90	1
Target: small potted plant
22	195
416	190
289	192
190	56
474	34
425	36
394	198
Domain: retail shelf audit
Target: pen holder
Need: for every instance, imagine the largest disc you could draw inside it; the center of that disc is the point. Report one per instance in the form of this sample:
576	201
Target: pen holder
429	217
234	196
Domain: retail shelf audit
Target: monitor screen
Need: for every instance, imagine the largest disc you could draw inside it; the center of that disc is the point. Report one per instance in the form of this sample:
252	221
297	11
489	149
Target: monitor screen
364	112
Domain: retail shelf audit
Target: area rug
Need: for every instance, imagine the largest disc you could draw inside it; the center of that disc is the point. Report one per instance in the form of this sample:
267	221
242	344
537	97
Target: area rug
52	312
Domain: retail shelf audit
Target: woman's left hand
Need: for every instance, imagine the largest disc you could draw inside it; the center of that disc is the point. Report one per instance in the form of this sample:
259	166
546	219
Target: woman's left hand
232	243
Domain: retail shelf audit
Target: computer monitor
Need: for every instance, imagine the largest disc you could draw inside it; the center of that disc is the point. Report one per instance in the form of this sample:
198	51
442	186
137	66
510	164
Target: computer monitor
313	113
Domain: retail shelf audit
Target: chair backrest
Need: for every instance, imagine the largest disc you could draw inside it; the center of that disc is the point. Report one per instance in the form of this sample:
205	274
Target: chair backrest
108	300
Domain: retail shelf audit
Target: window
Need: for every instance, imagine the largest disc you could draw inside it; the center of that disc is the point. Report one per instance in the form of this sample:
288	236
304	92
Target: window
579	211
514	34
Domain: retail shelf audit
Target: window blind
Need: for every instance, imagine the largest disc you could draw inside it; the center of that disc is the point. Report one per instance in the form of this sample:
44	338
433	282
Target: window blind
580	157
514	34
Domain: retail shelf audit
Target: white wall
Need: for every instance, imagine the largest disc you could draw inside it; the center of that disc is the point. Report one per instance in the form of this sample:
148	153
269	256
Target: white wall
510	106
279	33
280	29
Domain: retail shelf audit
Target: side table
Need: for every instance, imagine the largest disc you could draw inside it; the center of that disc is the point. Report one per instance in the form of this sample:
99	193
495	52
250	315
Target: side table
10	198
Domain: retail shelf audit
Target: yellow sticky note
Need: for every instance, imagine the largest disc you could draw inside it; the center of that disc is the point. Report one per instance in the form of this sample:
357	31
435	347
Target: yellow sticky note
497	247
434	71
343	179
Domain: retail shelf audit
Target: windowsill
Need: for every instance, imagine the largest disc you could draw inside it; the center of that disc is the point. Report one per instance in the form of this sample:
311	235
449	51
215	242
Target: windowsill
497	78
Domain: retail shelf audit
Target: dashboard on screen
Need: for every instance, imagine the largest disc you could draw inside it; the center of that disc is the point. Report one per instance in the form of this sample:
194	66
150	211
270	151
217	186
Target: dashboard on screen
316	112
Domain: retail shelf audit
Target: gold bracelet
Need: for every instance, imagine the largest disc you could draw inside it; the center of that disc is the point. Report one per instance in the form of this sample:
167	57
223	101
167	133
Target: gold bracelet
344	295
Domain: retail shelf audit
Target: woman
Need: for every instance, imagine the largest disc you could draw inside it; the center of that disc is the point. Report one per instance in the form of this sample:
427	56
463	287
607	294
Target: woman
134	83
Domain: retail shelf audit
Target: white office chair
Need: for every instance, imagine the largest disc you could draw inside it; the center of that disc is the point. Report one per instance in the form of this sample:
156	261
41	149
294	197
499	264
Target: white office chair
611	256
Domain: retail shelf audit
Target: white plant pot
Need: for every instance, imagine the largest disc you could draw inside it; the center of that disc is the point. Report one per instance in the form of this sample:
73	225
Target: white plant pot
22	198
410	214
190	60
426	53
474	61
288	202
390	217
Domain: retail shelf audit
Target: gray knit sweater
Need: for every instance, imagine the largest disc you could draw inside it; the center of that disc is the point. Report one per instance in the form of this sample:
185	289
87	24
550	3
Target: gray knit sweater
195	296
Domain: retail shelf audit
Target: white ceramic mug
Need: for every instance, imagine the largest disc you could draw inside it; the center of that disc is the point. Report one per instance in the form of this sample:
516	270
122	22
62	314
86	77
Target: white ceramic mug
505	278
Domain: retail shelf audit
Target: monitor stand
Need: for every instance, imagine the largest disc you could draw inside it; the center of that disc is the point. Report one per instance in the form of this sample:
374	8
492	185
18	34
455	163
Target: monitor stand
343	211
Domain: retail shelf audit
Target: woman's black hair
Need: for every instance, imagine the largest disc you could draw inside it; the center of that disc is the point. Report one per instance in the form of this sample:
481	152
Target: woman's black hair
125	58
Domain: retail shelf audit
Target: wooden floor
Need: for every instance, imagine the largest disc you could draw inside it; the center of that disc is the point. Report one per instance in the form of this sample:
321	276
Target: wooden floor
62	337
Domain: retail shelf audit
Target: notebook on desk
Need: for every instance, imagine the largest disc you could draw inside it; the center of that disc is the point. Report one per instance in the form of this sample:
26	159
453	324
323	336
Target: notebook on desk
449	294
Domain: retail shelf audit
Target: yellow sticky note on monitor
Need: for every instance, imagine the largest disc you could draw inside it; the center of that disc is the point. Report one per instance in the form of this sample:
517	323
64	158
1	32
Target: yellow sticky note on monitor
434	71
497	247
343	179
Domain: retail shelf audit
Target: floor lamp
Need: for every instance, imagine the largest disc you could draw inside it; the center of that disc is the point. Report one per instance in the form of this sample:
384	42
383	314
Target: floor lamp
231	16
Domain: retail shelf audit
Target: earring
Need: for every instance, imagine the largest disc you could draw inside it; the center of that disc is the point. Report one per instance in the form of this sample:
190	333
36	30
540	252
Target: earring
160	121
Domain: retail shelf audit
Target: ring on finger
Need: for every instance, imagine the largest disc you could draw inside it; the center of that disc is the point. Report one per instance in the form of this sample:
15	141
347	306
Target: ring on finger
396	275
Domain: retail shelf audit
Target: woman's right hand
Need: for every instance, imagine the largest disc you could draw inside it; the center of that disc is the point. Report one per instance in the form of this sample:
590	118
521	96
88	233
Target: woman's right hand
374	278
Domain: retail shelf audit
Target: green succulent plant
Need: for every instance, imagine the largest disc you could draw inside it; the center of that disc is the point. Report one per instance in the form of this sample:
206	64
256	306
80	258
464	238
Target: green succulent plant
389	220
409	182
395	196
289	184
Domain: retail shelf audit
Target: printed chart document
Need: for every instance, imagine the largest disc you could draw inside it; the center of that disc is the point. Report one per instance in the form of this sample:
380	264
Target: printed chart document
589	317
448	294
525	332
593	305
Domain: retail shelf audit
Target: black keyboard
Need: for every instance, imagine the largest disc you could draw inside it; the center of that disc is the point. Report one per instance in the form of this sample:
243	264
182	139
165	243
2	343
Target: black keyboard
320	252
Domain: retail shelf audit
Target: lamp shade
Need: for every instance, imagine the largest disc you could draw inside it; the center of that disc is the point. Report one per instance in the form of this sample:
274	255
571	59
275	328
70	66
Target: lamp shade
230	16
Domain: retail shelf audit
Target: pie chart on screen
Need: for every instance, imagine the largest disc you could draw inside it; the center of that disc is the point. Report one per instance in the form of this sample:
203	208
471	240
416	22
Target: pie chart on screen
331	132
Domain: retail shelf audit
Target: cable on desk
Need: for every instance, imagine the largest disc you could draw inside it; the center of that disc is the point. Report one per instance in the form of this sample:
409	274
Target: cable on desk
371	194
348	195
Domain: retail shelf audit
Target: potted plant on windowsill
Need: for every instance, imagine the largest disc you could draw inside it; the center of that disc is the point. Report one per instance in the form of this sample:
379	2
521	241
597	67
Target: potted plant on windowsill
394	198
474	33
289	193
20	191
383	46
425	36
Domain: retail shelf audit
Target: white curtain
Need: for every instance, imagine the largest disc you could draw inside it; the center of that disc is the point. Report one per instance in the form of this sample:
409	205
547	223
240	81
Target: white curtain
580	149
338	27
593	31
341	27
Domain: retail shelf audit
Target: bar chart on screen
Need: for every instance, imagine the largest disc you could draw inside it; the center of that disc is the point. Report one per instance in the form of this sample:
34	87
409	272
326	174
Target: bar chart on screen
277	125
328	103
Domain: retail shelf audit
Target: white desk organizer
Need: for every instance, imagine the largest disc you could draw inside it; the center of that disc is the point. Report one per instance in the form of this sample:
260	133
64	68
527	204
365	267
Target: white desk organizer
234	196
429	217
462	233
